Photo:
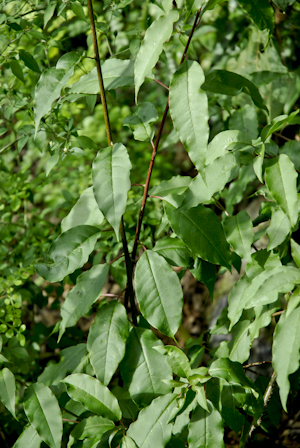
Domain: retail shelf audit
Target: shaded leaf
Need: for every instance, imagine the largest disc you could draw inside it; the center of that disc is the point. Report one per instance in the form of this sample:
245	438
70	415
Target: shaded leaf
286	346
82	296
277	124
245	120
295	249
29	61
233	418
205	272
261	13
127	442
43	412
143	369
159	293
217	147
51	163
230	371
48	14
189	111
93	395
111	182
92	427
175	185
28	438
69	252
229	83
158	32
202	232
84	212
283	4
152	428
206	428
140	121
239	233
107	340
178	361
174	251
8	390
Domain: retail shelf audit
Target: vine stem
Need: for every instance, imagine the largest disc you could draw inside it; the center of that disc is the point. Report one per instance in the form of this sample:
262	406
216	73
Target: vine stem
110	143
267	396
154	151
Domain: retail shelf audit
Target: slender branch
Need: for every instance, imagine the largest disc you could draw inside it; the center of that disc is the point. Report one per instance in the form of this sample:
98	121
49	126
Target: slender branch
162	84
146	188
110	143
68	420
256	364
282	136
267	396
277	313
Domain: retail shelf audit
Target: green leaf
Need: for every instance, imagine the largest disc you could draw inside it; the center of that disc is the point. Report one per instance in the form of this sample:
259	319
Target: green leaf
69	252
70	360
239	233
17	69
79	300
230	371
261	13
140	121
47	90
206	428
29	61
78	10
229	83
28	438
233	418
127	442
205	272
192	6
178	361
143	369
68	60
210	5
245	120
286	346
43	412
115	72
175	185
281	180
189	111
48	14
128	407
293	302
54	159
222	141
159	293
8	390
277	124
292	149
279	228
111	182
283	4
258	163
84	212
158	32
295	249
202	232
239	346
92	427
107	340
93	395
174	251
152	428
262	290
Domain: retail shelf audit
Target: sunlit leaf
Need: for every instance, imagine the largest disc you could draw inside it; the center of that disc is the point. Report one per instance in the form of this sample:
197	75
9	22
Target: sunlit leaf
206	428
8	390
279	229
28	438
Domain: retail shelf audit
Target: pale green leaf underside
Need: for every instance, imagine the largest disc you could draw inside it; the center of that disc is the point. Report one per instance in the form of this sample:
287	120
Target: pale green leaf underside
28	438
43	412
217	147
279	229
107	340
159	293
92	427
82	296
189	111
84	212
286	346
157	33
206	428
8	390
239	233
69	252
93	395
111	182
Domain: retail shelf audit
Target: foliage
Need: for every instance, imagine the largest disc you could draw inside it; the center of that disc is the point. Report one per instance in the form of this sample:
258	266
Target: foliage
77	212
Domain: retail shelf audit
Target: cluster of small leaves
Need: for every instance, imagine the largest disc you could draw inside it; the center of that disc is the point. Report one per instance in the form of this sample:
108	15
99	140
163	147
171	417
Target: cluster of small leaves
124	387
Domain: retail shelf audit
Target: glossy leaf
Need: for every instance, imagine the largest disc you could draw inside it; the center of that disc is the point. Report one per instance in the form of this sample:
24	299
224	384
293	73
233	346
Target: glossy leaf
29	61
202	232
286	346
143	369
206	428
70	360
279	229
189	111
28	438
217	147
92	427
152	428
158	32
93	395
69	252
159	293
107	340
281	178
43	412
261	13
79	300
8	390
277	124
262	290
174	251
239	233
111	182
230	371
48	90
139	122
229	83
178	361
84	212
115	72
127	442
